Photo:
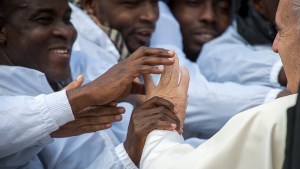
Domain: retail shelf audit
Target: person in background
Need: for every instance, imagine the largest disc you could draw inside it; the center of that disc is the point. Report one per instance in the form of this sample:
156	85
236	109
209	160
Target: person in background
243	53
200	22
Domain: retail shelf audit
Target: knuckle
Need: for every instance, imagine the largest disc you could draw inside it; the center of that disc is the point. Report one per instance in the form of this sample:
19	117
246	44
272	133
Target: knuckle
161	110
142	49
144	59
158	123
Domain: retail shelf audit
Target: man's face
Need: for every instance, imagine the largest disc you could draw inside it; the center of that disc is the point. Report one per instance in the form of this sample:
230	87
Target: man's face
39	35
201	21
287	42
134	19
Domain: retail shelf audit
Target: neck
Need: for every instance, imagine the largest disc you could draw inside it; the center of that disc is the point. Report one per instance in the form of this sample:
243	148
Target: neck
192	56
59	85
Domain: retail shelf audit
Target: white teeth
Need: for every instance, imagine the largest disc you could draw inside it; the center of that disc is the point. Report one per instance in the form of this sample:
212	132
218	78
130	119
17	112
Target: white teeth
61	51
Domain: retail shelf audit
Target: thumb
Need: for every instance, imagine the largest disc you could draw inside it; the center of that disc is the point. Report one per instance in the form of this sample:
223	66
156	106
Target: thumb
75	84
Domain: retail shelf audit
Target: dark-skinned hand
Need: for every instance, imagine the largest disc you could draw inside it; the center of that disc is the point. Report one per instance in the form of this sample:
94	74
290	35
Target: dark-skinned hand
156	113
90	119
119	81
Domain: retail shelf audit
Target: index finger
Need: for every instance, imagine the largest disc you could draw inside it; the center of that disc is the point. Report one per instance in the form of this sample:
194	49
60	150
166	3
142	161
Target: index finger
175	71
184	80
145	51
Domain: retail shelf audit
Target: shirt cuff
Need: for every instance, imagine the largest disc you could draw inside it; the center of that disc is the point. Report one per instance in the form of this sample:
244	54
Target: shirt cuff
59	108
272	95
275	73
124	158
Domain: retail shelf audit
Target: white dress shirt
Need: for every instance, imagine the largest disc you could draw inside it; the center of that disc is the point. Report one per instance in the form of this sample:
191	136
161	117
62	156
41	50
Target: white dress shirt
210	104
252	139
29	113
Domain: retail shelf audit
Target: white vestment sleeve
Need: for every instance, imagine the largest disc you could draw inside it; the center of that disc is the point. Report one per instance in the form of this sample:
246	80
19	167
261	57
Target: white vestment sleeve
252	139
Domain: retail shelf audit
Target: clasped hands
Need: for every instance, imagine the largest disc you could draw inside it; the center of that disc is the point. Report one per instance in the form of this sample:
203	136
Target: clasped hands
94	106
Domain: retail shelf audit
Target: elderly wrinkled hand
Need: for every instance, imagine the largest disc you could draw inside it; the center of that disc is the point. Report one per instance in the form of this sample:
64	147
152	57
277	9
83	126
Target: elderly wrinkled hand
169	88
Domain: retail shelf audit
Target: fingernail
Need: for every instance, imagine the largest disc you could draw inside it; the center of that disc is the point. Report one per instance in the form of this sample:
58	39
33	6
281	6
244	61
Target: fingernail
175	110
121	110
108	125
169	51
79	77
118	117
173	126
171	59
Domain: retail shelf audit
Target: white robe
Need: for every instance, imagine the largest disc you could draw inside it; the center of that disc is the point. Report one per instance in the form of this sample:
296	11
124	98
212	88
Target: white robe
254	139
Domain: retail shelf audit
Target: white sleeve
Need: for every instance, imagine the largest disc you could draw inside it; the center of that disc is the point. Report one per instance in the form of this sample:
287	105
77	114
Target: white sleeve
228	58
253	139
89	151
24	120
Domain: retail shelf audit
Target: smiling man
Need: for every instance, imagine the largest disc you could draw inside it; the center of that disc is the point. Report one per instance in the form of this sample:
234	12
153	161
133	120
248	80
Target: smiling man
200	21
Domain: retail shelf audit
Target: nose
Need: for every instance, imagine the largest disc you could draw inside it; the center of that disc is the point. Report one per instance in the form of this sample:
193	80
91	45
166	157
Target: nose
275	44
208	13
65	31
150	13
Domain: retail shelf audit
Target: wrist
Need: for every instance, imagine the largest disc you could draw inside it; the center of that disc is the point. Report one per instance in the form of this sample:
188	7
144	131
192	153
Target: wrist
79	99
132	153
